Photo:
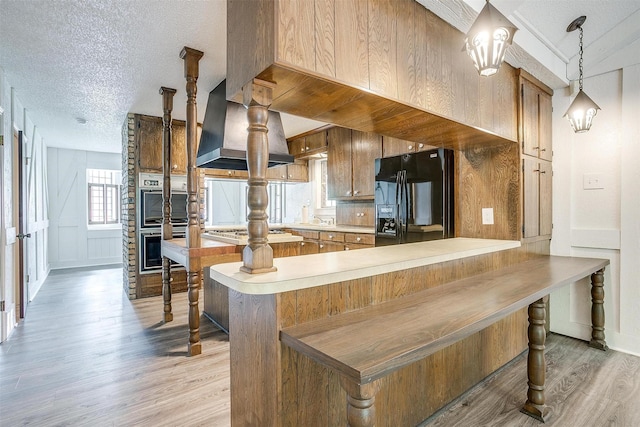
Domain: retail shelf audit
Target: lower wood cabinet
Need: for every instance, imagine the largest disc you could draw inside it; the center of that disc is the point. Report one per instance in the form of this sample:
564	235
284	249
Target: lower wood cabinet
332	241
358	214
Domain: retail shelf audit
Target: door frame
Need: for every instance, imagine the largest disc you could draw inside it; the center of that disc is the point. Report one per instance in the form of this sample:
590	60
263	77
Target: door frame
19	215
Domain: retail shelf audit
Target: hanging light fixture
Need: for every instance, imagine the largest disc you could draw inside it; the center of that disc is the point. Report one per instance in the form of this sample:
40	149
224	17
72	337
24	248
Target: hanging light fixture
488	39
582	110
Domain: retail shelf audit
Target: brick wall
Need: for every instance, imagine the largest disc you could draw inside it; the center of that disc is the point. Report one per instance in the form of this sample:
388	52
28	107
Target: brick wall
128	198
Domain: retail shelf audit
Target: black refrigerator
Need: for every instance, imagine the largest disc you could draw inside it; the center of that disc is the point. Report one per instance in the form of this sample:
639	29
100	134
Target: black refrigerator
414	197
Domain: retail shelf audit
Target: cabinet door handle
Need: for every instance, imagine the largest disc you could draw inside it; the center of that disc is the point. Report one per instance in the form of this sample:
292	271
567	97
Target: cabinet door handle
535	148
536	170
543	171
301	243
348	193
543	149
420	145
321	246
330	236
346	248
355	193
358	239
307	148
410	147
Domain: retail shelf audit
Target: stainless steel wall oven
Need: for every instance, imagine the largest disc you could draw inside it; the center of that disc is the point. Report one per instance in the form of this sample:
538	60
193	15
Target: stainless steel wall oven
150	249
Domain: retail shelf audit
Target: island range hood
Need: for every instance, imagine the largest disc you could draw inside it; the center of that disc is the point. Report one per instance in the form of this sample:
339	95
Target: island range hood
223	143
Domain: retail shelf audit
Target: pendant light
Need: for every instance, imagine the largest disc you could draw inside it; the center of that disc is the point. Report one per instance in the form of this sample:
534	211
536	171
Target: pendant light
582	110
488	39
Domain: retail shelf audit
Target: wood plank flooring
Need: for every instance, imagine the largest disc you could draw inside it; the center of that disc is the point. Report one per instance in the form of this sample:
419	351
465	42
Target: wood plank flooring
87	356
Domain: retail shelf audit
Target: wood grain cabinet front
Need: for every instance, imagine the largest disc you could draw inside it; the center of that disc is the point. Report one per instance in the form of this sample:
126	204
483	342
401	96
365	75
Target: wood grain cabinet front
351	156
394	146
535	114
536	206
149	143
297	171
309	145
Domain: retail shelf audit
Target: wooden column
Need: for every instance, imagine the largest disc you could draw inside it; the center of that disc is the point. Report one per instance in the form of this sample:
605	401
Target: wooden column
536	365
191	58
167	227
257	256
361	411
597	311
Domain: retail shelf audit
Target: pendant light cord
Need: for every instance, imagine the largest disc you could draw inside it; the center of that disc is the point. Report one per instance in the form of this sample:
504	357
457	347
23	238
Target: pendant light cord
580	62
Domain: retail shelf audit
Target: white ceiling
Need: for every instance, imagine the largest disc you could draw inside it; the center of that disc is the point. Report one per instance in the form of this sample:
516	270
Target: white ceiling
98	60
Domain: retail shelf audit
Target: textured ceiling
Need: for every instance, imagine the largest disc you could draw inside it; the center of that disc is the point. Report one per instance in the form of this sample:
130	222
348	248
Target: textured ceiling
98	60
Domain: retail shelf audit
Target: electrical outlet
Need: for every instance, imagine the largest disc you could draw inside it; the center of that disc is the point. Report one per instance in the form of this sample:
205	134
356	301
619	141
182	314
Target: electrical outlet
487	216
592	181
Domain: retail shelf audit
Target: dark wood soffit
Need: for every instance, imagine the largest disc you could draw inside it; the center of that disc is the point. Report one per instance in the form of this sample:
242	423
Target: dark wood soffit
304	94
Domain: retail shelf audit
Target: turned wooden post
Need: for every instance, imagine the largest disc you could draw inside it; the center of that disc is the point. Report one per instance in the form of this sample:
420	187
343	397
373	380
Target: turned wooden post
191	58
257	256
361	411
536	365
167	227
597	311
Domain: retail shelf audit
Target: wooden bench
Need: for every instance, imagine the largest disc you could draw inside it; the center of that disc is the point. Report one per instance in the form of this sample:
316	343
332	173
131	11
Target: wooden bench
355	345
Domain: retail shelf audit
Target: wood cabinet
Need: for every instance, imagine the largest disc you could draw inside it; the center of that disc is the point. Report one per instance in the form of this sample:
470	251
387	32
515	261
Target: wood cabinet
535	138
535	117
226	173
394	146
357	214
293	172
309	145
149	144
332	241
536	203
350	163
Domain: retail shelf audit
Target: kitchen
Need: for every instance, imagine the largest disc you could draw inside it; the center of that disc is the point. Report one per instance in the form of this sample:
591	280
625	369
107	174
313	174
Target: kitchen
472	162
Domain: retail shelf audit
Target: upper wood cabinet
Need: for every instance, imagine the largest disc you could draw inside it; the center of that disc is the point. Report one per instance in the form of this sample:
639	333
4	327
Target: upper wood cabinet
535	117
394	146
297	171
149	143
350	163
309	145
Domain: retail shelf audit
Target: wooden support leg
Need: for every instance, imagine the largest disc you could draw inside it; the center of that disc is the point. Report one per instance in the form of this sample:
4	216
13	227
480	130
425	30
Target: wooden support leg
361	411
193	290
166	289
597	311
535	405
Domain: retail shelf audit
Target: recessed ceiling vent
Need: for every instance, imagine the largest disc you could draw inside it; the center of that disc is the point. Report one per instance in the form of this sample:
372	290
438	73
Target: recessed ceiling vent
223	143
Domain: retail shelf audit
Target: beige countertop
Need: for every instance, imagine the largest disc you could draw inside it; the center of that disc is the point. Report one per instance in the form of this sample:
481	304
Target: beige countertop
300	226
306	271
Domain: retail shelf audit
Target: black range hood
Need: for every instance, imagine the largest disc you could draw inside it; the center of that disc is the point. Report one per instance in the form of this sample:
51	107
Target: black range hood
223	143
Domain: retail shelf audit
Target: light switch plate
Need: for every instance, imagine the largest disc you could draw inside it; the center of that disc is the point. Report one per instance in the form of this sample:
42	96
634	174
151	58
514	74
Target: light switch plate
592	181
487	216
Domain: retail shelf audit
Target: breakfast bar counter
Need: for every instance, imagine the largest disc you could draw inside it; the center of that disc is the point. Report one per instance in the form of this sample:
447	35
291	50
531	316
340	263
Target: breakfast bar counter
307	271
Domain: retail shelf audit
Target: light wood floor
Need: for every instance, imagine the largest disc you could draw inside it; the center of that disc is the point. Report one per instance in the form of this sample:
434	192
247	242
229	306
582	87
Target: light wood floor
87	356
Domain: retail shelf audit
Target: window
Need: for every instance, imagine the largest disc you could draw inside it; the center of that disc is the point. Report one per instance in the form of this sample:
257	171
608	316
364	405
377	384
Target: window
277	204
104	200
324	199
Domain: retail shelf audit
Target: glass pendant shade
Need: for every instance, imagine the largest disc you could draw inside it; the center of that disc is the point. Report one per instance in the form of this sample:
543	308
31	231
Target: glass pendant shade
488	39
581	112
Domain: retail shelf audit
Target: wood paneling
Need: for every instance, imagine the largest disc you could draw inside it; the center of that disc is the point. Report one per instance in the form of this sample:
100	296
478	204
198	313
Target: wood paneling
531	196
251	42
296	33
396	49
546	175
488	178
325	37
352	42
544	126
383	77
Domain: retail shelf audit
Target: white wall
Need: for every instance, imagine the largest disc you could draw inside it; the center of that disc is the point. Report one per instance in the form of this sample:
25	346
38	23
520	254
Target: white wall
72	243
602	223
